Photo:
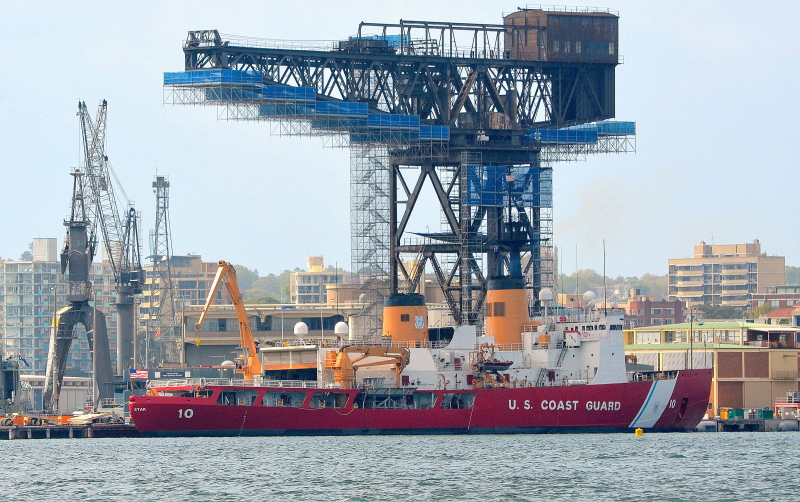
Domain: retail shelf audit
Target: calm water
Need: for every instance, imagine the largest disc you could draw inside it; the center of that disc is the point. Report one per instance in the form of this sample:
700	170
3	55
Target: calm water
619	467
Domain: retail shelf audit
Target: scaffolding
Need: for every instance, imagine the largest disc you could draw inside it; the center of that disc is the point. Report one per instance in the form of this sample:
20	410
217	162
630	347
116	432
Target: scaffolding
380	96
162	342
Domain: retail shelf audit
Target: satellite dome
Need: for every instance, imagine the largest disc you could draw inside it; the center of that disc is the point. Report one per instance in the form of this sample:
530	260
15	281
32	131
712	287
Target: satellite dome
589	296
301	329
227	362
545	295
341	328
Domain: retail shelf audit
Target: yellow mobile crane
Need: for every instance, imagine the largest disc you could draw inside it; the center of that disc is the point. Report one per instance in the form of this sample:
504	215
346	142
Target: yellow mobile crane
248	364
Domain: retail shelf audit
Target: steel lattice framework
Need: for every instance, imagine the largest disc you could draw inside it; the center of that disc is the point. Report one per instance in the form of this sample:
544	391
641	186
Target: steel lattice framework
451	75
163	330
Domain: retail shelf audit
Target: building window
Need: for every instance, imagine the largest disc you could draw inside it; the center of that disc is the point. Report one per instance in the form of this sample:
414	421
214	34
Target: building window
655	311
556	47
404	317
611	48
775	303
643	337
657	321
669	311
669	321
577	47
566	47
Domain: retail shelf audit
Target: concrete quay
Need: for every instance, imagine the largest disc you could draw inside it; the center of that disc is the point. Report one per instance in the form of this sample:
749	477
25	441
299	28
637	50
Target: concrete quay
69	431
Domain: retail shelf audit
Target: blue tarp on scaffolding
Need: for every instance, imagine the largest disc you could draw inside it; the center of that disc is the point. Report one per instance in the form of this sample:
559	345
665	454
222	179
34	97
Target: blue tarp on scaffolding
205	77
341	108
564	136
392	121
231	94
287	93
286	109
434	132
616	128
489	186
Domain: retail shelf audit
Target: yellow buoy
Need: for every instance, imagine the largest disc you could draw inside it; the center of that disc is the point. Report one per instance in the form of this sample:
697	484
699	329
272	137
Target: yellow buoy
639	432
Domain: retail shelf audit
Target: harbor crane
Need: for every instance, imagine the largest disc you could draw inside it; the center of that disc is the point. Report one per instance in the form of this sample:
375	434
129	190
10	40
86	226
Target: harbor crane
247	364
94	204
121	236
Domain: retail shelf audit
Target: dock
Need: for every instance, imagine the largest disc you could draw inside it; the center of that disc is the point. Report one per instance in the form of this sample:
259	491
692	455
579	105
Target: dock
749	425
69	431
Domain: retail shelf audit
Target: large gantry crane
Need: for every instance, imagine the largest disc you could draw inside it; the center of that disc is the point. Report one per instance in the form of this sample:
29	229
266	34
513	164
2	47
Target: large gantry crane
94	204
463	107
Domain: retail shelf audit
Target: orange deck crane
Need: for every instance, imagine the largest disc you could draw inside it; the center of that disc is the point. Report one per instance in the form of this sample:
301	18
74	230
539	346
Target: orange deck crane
344	368
247	364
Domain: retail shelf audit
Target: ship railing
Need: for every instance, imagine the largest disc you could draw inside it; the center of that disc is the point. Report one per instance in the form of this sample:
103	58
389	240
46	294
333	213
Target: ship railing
648	376
294	384
552	345
435	344
195	382
507	347
792	397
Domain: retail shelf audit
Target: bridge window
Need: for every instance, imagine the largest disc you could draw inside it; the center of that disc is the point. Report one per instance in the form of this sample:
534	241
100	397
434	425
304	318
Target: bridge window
329	400
288	399
237	397
457	401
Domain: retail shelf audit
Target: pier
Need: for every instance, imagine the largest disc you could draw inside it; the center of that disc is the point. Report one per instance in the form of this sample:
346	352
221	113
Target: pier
69	431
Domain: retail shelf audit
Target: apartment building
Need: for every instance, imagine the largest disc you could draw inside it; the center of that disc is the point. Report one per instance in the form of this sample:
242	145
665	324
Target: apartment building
781	296
725	274
312	286
646	311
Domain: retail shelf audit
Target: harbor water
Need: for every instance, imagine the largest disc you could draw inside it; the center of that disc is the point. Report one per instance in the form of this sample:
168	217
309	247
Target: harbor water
570	467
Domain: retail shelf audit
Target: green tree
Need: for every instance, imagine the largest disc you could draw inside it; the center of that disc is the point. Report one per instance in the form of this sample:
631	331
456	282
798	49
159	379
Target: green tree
27	255
582	281
276	286
757	312
792	275
245	277
720	312
649	284
259	296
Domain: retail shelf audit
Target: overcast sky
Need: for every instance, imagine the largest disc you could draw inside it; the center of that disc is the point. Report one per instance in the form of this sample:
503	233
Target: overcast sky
711	85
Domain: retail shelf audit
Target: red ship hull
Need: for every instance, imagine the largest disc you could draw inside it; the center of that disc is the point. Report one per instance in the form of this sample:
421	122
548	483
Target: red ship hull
660	405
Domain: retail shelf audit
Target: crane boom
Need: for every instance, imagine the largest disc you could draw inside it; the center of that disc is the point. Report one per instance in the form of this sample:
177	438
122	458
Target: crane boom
248	365
120	235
